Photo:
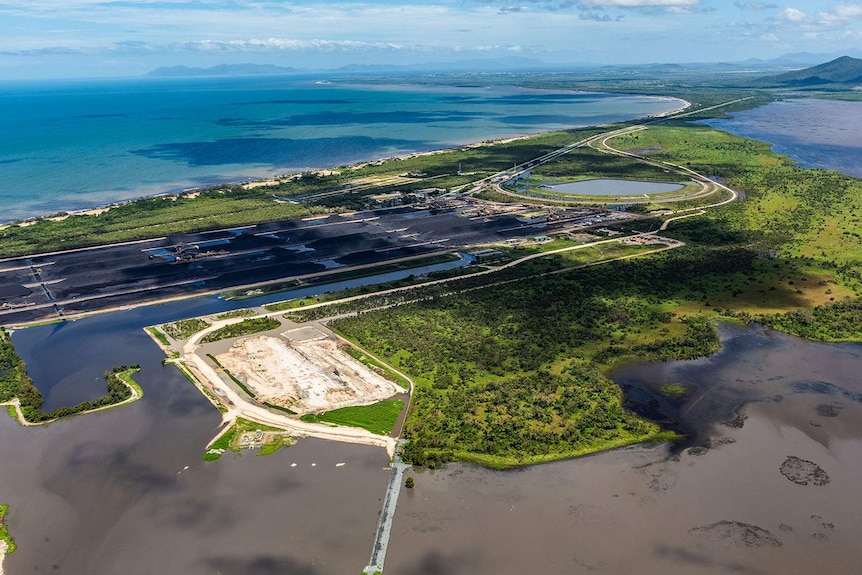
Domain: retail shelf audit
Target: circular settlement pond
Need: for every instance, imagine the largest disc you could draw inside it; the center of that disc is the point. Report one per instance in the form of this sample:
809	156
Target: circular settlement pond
614	187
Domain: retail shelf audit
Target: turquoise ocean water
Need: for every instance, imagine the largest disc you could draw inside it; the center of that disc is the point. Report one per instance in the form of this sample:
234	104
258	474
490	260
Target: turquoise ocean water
76	145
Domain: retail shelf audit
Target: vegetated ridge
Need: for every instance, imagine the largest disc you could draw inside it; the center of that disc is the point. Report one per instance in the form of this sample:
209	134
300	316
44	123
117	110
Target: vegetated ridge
843	70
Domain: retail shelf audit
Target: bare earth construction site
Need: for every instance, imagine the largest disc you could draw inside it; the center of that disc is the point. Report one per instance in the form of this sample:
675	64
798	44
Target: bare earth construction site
305	375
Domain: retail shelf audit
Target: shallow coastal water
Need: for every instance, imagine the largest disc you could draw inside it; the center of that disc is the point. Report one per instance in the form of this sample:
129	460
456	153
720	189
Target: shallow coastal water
74	145
729	508
817	133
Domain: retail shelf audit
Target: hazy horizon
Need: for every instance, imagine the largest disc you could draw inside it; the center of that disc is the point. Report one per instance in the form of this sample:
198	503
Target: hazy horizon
113	38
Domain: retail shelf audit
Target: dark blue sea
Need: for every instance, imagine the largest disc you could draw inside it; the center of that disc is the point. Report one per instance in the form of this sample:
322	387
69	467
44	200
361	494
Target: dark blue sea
79	144
816	133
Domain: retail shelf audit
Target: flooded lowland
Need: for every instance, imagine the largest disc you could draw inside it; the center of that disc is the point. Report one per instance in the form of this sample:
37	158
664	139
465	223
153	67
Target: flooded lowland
774	490
126	491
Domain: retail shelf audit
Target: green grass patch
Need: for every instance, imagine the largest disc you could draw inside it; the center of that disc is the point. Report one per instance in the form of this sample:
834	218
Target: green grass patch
185	328
241	385
235	314
377	418
245	327
229	440
162	338
375	365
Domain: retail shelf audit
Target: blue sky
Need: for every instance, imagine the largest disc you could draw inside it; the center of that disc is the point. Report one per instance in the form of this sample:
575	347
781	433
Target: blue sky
53	38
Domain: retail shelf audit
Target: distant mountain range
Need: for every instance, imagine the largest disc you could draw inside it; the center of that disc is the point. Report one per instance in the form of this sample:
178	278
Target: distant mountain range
223	70
843	70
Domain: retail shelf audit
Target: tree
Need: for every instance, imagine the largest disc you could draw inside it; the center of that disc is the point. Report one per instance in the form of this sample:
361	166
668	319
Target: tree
409	484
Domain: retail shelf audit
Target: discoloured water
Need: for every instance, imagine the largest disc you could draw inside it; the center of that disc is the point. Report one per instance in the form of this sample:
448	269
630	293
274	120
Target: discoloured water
727	508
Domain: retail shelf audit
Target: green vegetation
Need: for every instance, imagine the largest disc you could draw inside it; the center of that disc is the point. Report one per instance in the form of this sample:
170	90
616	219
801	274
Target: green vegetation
272	440
15	383
586	163
162	338
349	188
245	327
241	385
375	365
521	420
185	328
510	374
162	216
235	314
279	408
377	418
185	371
233	378
365	290
4	530
410	483
839	321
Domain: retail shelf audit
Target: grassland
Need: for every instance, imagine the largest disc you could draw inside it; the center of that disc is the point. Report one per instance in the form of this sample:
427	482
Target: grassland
245	327
512	373
235	314
230	206
185	328
377	418
157	333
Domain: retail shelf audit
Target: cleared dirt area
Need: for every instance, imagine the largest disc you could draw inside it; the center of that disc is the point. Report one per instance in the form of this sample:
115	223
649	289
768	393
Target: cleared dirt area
312	375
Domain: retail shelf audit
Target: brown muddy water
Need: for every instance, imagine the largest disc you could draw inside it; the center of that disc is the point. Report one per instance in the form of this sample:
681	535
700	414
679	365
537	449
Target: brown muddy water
778	495
125	492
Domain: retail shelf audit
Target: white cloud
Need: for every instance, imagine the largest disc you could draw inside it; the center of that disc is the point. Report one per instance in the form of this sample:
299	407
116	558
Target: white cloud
640	3
754	6
792	15
847	10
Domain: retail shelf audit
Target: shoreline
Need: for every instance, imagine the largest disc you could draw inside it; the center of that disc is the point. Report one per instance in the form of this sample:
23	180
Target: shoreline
287	173
15	404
